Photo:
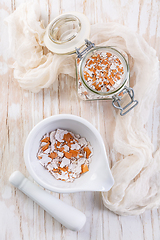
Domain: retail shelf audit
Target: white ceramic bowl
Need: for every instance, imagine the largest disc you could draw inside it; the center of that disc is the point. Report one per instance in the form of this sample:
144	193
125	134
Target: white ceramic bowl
98	178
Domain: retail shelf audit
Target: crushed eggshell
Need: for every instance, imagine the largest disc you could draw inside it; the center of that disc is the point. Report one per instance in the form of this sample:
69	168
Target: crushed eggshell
103	72
84	168
65	155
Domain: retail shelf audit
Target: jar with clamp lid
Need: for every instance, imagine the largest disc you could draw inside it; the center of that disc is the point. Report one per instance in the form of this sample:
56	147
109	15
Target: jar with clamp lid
102	72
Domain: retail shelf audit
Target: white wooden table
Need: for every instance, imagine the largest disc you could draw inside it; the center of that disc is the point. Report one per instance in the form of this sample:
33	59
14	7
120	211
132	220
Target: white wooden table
20	110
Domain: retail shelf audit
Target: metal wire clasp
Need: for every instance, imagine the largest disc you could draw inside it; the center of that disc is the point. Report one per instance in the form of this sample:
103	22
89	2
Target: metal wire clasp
88	44
117	98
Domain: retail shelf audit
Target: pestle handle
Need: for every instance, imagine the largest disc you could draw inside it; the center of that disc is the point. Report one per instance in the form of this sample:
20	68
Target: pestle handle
67	215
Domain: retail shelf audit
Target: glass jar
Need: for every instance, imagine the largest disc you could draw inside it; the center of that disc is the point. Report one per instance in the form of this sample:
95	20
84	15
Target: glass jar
102	72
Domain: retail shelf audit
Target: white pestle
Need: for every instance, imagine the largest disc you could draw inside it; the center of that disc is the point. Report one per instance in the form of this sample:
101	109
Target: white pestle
67	215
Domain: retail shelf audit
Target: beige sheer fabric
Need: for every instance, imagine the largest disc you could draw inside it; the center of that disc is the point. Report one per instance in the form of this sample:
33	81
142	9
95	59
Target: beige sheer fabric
137	171
34	68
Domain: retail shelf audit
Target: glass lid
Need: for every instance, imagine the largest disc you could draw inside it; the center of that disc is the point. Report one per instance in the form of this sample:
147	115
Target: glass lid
104	70
67	32
64	29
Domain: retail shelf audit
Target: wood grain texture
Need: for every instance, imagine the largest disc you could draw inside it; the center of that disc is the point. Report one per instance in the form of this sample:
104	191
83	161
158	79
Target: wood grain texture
20	110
